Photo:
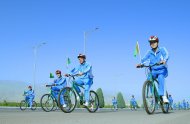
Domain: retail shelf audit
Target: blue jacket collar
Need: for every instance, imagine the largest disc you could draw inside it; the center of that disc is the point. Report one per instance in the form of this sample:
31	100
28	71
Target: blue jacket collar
60	77
157	51
83	63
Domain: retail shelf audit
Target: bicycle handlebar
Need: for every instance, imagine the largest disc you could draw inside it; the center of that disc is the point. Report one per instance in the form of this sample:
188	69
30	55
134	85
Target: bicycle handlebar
149	66
73	76
49	85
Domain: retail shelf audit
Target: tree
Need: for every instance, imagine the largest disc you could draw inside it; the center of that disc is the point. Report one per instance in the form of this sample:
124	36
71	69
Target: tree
120	101
101	97
5	103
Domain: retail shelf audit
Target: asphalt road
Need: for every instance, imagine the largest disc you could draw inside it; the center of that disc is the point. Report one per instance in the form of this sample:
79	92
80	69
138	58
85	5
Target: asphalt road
103	116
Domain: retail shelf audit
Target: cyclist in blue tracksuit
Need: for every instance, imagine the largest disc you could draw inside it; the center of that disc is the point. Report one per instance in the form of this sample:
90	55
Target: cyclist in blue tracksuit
114	103
133	102
174	106
170	101
84	70
59	84
180	106
184	104
187	105
158	55
29	96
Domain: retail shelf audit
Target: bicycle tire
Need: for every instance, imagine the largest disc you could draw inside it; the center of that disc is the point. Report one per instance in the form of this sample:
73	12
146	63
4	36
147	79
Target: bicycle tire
44	105
64	92
144	98
165	106
91	108
23	105
34	106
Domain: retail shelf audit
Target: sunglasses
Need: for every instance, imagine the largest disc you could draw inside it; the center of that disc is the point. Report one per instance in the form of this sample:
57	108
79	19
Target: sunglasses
153	42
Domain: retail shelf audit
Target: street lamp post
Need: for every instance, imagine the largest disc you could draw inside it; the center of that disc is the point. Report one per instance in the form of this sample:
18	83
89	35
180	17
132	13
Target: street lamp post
85	37
35	50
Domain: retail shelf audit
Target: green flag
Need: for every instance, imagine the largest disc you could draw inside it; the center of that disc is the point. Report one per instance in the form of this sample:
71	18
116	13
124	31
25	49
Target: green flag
68	61
136	52
51	75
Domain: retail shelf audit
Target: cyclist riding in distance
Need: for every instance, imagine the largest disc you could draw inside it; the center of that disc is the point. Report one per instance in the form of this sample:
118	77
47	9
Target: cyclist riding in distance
59	84
29	96
85	77
157	55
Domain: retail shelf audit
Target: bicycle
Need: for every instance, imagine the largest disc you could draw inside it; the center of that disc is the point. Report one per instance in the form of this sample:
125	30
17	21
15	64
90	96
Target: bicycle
150	93
114	107
70	97
133	105
24	104
48	102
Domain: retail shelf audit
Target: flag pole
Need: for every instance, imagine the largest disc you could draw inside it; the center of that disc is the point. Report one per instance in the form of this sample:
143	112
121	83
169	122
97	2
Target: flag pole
139	52
67	65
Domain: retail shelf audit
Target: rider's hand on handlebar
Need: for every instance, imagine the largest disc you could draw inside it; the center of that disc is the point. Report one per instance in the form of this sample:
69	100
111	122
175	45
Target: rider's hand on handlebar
162	62
80	74
139	66
67	75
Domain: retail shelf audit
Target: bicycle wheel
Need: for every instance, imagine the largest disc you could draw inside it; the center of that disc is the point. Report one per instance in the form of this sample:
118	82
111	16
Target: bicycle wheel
47	102
164	106
23	105
93	102
149	99
34	105
69	96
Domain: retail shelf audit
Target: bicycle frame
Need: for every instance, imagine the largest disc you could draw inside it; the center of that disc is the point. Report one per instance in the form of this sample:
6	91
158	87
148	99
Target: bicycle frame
51	94
27	101
151	85
73	87
154	89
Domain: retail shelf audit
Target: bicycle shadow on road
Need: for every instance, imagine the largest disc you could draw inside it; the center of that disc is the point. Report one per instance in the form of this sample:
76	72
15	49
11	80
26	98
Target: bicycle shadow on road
163	113
106	111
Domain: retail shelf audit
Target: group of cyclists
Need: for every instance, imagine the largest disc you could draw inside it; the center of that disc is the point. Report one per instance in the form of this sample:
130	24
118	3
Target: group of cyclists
85	77
133	103
184	105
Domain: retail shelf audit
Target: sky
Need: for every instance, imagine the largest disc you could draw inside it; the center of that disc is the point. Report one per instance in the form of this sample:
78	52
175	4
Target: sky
61	24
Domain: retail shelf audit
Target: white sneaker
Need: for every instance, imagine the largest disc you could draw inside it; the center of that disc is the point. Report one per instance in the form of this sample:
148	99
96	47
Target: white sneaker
64	105
85	104
165	99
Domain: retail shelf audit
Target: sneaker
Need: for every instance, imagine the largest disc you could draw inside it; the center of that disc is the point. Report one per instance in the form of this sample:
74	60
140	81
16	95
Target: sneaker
64	106
165	99
85	104
135	108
